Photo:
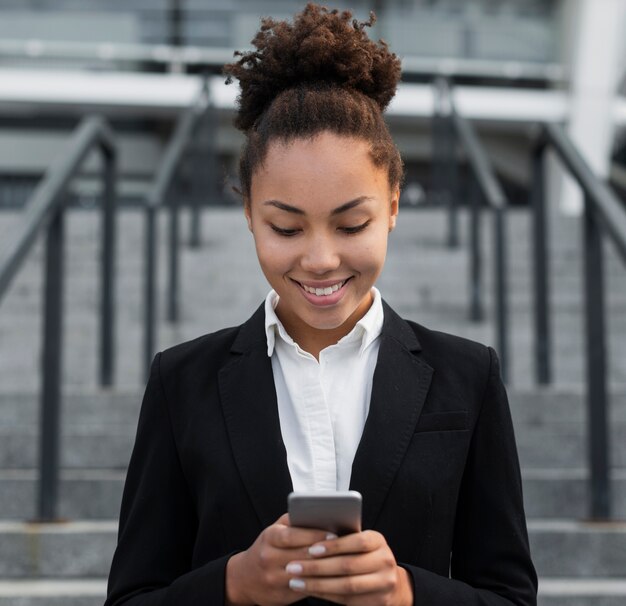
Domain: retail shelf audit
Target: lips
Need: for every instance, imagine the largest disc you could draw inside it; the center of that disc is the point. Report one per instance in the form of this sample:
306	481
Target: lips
327	292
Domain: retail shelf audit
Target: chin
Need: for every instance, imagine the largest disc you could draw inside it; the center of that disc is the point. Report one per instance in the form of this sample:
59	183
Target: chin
332	322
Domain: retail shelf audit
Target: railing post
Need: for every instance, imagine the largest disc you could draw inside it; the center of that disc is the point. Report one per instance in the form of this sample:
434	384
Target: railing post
174	258
205	168
52	369
195	215
540	265
501	291
476	307
107	305
150	263
436	172
596	367
445	173
453	186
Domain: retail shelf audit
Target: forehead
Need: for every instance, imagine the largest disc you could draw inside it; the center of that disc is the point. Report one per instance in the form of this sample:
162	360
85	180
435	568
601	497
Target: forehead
327	168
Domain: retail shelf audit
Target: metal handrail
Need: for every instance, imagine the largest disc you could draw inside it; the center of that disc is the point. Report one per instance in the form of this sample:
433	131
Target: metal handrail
166	171
484	187
609	210
617	175
603	212
45	211
479	162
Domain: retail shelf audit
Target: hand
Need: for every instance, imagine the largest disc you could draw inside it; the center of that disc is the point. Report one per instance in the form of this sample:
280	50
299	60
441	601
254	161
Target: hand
357	569
258	575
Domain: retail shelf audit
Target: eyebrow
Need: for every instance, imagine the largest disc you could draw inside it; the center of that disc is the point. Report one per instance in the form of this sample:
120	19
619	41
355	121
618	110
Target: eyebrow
336	211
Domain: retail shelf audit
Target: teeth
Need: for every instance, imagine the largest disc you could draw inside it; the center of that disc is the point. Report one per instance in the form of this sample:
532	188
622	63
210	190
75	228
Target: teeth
324	292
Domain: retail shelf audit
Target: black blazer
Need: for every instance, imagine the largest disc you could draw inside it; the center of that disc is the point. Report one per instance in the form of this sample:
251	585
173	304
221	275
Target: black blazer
437	466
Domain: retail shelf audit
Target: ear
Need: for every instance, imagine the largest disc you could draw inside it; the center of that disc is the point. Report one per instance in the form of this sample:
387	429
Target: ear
247	213
394	207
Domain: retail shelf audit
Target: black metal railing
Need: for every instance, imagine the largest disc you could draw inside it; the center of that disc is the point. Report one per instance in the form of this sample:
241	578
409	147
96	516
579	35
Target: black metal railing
156	199
603	215
484	188
45	211
445	168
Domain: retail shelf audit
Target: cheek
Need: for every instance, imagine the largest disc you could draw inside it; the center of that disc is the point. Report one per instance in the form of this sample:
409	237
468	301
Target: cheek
273	256
370	252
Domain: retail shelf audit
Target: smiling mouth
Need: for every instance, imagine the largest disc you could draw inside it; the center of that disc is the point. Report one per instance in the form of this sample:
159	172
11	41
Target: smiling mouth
323	292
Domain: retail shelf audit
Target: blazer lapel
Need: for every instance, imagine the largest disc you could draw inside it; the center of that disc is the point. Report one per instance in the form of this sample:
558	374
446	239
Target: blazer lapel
250	408
400	384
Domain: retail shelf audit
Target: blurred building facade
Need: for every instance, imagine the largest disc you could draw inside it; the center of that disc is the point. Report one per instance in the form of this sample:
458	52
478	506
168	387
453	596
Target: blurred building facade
529	30
510	44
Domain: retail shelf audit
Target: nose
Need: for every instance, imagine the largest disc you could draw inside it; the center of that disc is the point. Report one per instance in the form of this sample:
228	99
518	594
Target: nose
321	254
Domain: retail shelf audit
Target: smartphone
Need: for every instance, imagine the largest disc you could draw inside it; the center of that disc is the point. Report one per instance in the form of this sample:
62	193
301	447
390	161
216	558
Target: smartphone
338	512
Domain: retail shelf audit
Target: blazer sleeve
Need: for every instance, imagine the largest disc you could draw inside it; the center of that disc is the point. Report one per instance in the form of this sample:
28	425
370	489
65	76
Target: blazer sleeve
490	562
158	523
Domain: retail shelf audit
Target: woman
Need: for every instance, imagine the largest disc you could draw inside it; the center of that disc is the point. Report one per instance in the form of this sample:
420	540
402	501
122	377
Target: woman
324	387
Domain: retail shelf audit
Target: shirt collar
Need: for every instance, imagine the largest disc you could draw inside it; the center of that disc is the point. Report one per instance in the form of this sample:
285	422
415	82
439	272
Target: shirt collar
366	330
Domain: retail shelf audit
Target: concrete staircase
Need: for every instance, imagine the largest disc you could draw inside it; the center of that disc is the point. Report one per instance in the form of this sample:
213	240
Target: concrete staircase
580	563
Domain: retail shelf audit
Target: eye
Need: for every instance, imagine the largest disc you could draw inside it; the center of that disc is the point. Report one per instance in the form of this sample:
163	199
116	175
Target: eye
283	231
356	229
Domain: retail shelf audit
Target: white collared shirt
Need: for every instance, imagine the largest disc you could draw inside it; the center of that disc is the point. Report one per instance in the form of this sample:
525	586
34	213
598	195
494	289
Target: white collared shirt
323	405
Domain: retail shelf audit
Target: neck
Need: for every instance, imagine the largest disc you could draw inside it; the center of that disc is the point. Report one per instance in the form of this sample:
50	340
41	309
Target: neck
313	340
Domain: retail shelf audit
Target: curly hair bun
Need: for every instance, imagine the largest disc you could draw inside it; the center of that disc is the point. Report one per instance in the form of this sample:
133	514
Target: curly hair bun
320	48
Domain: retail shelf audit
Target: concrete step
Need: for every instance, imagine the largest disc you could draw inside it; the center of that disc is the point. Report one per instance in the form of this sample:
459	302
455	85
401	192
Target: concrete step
581	592
20	353
110	447
531	408
430	292
92	592
565	493
80	407
96	494
84	494
566	286
55	551
578	549
47	592
99	428
84	549
222	285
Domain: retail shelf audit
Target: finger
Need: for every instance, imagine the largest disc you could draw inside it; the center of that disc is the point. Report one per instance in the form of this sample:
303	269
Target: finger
358	542
354	585
288	537
283	520
342	565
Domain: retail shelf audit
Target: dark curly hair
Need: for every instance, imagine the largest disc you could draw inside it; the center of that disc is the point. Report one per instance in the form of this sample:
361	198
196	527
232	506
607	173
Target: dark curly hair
319	73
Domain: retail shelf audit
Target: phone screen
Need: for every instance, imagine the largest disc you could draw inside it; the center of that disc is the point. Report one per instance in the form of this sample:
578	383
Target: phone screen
338	512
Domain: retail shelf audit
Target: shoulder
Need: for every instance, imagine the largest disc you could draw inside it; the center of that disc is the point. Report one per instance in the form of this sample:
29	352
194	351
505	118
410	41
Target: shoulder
200	359
437	344
440	350
214	349
455	359
464	372
199	354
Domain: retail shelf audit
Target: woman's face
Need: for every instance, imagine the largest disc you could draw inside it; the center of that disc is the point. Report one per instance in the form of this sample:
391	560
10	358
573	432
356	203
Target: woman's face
320	212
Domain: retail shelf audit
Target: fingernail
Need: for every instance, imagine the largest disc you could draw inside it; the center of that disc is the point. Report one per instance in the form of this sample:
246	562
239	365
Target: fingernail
317	550
294	568
296	584
330	536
